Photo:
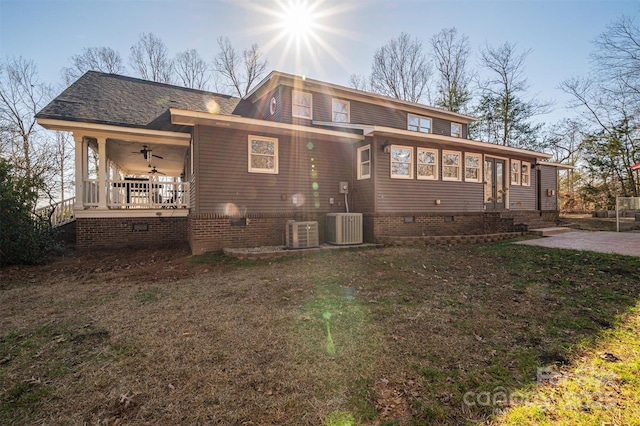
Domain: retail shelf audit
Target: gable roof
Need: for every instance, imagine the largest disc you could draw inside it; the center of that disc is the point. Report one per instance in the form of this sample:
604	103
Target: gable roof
112	99
276	78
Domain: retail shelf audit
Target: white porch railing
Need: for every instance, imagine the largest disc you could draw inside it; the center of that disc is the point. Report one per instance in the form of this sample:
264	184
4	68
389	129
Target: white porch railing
138	194
90	193
59	213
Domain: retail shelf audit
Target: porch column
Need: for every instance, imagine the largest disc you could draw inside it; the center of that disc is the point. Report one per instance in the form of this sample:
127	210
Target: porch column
81	170
102	173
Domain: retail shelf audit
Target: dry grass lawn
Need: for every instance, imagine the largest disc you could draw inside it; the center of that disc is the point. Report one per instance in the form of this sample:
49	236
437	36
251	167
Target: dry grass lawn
390	336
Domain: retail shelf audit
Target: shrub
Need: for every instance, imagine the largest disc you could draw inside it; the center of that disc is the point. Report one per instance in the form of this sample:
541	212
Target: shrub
25	238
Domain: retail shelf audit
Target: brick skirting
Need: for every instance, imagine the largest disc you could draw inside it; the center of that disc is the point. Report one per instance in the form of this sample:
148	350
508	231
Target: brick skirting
447	239
213	232
114	232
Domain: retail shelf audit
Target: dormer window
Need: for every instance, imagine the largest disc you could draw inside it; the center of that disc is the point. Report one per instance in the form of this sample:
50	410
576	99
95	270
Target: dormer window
417	123
456	130
302	105
340	111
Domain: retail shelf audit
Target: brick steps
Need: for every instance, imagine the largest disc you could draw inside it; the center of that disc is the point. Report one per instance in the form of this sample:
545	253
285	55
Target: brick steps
540	225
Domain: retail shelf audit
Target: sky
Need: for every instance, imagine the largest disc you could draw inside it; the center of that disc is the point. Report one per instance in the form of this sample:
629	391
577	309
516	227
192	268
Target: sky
344	34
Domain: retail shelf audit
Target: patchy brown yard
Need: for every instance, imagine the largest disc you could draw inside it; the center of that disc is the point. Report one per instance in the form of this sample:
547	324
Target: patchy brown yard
158	337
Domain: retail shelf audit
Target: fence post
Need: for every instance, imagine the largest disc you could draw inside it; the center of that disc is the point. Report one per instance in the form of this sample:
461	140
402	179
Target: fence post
617	215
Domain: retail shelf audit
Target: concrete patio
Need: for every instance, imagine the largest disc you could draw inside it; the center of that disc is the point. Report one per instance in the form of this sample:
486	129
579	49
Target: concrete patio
626	243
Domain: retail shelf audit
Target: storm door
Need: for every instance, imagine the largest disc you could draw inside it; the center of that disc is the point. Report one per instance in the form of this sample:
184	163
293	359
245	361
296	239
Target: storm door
494	183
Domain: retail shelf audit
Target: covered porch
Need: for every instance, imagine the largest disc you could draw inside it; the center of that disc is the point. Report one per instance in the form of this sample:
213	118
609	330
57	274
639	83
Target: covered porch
127	171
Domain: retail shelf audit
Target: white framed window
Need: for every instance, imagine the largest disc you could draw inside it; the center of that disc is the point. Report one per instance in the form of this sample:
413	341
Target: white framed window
427	163
401	162
340	111
417	123
451	165
302	104
364	162
263	154
515	172
472	167
456	130
526	174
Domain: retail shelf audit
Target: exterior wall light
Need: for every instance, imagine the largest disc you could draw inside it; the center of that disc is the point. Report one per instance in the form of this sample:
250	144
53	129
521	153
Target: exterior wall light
386	147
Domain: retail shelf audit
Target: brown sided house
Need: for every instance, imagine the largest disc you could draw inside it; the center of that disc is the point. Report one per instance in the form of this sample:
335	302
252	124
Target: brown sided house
157	163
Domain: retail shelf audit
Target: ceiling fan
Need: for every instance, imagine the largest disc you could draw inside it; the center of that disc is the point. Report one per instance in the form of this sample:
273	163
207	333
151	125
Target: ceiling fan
146	153
154	171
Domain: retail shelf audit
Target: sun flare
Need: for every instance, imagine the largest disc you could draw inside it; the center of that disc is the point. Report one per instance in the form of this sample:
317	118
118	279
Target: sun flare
297	19
304	34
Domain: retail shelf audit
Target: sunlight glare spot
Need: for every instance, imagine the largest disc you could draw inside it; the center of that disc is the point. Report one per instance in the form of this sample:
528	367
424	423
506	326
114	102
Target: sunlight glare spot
212	106
297	19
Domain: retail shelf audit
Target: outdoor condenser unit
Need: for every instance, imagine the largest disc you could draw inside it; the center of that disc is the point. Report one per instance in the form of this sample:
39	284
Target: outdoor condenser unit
344	228
302	234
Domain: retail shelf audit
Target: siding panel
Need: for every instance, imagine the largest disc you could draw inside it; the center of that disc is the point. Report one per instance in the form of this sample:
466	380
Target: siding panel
524	197
308	169
403	195
360	112
548	181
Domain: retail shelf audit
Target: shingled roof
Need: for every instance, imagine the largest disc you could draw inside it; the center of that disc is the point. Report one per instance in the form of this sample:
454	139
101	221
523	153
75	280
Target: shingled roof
125	101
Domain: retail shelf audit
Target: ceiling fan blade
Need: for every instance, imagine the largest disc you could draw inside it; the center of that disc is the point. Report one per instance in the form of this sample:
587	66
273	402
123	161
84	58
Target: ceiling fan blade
157	156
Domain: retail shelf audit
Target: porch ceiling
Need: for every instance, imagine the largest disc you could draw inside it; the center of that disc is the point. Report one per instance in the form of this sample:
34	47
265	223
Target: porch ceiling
128	156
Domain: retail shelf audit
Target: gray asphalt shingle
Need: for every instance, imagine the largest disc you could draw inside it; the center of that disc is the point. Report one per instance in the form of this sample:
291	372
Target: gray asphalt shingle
125	101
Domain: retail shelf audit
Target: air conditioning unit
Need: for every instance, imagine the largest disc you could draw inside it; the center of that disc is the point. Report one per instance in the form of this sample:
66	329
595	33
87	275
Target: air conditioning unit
302	234
344	228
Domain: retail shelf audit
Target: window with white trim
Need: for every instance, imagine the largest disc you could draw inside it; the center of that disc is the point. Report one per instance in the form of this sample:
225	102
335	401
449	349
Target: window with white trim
340	111
302	104
417	123
263	154
364	162
515	172
472	167
456	130
451	165
526	174
401	162
427	163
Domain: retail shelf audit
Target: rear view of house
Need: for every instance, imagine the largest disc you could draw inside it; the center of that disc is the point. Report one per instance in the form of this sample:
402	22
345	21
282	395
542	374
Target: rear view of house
157	163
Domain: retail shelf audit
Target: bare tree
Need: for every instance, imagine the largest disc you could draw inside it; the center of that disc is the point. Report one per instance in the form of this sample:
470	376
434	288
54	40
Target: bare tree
22	95
192	70
612	140
401	70
150	59
359	82
503	108
617	55
62	151
103	59
451	53
240	72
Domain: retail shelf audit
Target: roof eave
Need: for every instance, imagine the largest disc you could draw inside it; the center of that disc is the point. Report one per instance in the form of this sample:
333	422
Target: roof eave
485	146
192	118
557	165
120	132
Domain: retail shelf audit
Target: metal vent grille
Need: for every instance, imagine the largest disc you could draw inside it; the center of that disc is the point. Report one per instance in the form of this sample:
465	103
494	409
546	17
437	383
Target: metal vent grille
302	234
344	228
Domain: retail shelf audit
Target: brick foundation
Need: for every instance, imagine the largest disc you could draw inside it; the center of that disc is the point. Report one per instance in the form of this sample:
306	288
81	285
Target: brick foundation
213	232
377	227
114	232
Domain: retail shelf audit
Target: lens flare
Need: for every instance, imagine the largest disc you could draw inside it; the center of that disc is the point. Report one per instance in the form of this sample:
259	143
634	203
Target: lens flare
305	32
